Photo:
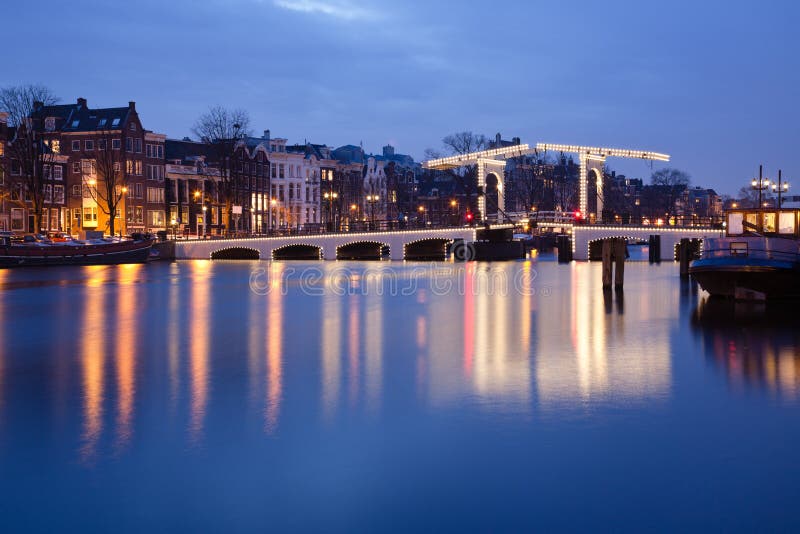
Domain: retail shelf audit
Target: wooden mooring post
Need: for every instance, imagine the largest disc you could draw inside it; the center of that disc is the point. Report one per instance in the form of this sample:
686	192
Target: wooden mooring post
614	252
685	256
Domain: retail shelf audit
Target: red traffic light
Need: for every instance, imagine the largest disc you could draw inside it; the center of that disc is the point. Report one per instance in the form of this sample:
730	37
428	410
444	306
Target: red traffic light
469	216
578	214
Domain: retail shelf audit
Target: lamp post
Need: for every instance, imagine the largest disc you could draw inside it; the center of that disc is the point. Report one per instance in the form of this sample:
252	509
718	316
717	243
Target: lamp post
780	188
760	184
174	224
122	216
421	210
198	198
330	197
205	222
454	210
372	199
272	203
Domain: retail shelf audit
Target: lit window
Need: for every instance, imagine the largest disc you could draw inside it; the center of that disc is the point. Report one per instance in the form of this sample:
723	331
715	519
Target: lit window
115	122
76	146
89	144
102	123
116	144
75	123
50	124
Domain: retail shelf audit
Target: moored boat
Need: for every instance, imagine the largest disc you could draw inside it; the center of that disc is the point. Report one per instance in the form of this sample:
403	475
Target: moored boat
759	257
34	252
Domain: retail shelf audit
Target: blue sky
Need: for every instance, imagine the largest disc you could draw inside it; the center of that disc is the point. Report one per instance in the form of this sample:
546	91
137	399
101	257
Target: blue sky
712	83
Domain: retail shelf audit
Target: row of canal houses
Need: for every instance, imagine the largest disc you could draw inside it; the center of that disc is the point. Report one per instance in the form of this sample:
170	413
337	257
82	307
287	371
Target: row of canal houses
174	185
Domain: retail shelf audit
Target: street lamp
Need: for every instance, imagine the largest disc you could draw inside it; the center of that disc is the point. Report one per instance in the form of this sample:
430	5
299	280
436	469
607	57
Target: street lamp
780	188
205	222
330	197
421	210
372	199
760	184
174	224
272	203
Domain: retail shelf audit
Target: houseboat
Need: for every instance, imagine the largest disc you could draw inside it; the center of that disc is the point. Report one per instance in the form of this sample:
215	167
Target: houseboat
759	257
40	251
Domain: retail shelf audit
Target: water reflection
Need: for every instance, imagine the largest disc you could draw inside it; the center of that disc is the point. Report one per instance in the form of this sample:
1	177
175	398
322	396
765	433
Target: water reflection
607	358
274	363
330	351
199	329
92	353
754	344
127	333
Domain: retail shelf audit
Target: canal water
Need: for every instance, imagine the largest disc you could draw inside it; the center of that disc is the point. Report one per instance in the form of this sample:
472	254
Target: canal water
255	396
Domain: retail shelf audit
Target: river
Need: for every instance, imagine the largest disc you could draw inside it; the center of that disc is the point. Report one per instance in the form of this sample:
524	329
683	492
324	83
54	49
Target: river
337	396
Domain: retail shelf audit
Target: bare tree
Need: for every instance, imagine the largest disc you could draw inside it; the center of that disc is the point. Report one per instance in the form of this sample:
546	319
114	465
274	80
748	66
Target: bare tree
111	184
29	152
465	142
670	184
222	129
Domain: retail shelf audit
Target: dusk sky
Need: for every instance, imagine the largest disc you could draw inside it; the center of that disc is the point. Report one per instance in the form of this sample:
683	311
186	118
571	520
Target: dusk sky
714	84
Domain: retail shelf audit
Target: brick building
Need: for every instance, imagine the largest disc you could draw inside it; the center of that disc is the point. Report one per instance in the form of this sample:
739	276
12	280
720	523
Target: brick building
111	164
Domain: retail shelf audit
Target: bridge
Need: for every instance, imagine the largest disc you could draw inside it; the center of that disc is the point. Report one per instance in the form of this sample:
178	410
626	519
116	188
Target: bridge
397	245
583	236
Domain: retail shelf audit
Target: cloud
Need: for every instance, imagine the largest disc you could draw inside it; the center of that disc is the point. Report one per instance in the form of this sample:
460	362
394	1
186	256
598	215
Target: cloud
342	9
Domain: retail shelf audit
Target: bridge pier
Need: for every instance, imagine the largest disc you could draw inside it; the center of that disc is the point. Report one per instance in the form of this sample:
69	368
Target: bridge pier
329	252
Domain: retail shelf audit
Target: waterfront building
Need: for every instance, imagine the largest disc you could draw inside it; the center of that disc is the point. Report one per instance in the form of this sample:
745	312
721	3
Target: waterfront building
192	185
95	167
5	216
699	202
295	185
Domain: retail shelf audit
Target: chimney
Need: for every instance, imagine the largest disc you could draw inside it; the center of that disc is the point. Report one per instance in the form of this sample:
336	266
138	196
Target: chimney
132	106
81	102
266	135
37	105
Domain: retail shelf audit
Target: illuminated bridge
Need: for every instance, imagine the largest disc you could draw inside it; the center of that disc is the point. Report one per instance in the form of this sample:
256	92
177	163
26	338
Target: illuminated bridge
397	245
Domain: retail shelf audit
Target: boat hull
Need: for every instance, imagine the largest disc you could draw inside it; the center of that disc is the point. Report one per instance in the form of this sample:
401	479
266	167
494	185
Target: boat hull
90	254
724	276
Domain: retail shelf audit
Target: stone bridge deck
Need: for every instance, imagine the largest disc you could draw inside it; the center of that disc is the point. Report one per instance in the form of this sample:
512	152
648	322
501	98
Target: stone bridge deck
328	244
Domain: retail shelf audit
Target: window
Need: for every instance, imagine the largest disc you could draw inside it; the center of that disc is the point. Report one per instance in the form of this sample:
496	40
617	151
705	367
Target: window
133	127
280	170
76	190
129	166
160	152
75	123
273	169
155	219
50	124
138	145
101	144
58	172
76	167
88	166
138	167
55	147
116	144
58	192
17	216
47	171
155	195
117	167
149	150
76	145
129	144
138	190
48	194
89	144
115	122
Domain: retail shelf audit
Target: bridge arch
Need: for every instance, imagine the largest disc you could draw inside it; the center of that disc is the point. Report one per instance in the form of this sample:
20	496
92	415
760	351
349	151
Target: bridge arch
362	250
236	253
297	251
427	249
